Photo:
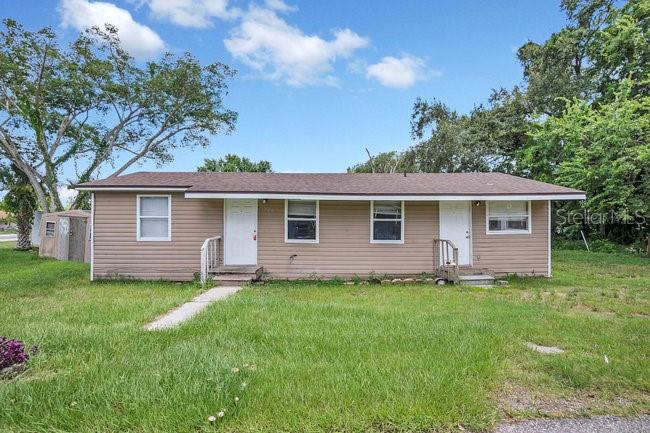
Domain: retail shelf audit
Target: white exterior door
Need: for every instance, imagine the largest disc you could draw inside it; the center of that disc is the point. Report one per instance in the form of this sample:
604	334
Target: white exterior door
240	232
455	225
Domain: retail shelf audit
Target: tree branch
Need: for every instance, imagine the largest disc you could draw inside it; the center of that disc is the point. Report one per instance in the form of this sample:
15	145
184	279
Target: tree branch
150	142
14	156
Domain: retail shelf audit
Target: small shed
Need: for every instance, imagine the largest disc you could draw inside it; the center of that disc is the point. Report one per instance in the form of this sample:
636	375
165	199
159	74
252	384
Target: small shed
65	235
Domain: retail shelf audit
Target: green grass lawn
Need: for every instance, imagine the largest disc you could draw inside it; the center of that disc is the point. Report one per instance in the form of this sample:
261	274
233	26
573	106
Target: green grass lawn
324	356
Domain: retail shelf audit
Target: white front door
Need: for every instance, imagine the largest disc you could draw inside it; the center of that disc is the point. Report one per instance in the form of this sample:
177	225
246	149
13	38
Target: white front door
455	225
240	232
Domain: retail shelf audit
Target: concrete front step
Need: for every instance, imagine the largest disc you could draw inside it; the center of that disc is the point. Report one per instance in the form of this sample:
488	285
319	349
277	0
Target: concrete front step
237	269
254	271
476	280
473	271
236	275
229	279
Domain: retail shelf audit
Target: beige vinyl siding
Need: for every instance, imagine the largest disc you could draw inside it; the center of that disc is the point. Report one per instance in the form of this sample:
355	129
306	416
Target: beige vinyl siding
117	253
525	254
344	248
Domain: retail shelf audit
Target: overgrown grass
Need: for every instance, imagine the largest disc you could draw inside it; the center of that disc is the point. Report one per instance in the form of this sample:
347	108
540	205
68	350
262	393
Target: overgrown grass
328	357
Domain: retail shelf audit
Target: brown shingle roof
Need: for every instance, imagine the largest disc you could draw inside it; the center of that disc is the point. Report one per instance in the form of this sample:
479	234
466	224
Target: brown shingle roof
336	183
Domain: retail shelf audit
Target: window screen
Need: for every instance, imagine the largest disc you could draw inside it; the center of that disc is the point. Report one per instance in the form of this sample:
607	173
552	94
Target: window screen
508	217
387	221
302	221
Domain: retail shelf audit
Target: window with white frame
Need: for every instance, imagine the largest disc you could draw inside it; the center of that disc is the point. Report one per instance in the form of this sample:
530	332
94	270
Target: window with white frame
301	221
508	217
387	221
154	218
50	227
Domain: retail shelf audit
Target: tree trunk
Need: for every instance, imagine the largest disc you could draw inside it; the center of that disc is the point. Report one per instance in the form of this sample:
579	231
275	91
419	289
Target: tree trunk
41	197
24	241
55	199
24	219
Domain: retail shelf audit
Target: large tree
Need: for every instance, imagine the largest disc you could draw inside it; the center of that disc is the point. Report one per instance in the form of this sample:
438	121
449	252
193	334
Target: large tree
233	163
92	107
605	151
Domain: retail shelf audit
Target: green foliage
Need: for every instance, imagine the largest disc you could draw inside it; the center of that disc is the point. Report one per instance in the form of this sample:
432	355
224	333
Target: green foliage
596	245
19	201
235	164
621	49
90	104
603	149
386	162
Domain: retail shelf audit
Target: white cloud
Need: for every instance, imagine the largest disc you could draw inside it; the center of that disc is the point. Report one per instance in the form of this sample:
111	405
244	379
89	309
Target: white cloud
66	195
399	73
280	5
139	40
192	13
278	51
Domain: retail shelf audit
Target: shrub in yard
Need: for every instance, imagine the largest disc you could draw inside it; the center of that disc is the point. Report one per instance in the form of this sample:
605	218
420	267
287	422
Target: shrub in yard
597	245
13	353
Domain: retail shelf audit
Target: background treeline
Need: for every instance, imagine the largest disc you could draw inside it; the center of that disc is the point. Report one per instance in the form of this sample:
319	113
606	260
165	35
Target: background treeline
580	118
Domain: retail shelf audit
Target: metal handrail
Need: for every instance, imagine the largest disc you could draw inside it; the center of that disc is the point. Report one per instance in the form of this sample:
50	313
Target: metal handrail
210	251
441	247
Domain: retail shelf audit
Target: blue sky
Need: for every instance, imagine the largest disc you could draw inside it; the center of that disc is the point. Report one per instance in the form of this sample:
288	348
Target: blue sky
319	81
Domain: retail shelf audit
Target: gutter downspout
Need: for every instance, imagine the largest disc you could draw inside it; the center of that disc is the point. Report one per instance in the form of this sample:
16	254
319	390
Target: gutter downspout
92	236
548	272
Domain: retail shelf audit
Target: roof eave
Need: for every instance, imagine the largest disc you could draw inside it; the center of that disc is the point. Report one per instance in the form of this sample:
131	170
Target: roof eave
129	188
404	197
572	195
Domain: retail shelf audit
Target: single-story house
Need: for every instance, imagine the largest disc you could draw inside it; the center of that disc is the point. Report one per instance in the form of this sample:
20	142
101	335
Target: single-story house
157	225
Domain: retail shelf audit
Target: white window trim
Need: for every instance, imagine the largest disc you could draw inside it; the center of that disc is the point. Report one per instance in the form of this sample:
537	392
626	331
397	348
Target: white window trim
372	225
286	224
168	238
53	235
509	232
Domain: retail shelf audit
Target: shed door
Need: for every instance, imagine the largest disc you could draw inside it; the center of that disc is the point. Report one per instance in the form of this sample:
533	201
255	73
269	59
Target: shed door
77	248
455	225
240	234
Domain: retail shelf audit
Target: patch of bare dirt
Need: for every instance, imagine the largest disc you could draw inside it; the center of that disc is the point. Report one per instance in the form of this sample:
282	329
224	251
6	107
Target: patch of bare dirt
517	400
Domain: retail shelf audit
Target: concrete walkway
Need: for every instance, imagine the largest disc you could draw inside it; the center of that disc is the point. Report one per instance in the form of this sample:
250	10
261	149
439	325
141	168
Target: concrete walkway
598	424
189	309
8	238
